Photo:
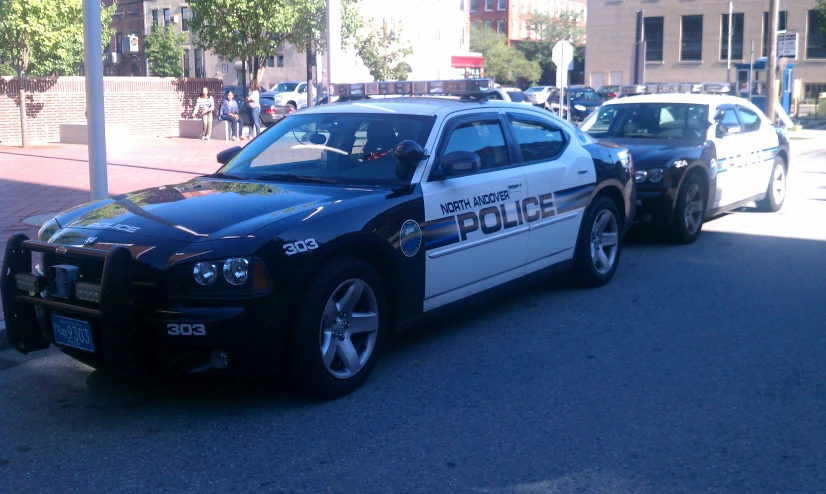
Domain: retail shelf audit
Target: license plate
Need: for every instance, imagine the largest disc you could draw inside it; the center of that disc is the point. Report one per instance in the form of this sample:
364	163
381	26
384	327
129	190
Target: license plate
73	333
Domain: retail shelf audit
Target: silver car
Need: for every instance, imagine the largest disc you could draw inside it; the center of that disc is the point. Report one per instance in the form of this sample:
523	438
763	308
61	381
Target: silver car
538	95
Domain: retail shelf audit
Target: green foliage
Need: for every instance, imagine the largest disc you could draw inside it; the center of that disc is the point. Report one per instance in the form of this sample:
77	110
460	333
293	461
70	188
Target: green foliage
821	17
382	51
45	37
165	50
311	24
504	64
548	30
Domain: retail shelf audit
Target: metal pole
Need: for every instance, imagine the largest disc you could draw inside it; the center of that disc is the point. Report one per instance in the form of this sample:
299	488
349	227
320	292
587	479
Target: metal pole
730	24
24	133
310	75
751	70
334	54
771	63
95	118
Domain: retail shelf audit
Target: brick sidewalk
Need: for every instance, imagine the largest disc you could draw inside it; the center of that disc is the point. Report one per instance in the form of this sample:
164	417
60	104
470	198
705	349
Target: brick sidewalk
55	177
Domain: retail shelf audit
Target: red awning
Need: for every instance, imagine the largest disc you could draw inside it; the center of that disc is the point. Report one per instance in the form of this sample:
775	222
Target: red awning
467	62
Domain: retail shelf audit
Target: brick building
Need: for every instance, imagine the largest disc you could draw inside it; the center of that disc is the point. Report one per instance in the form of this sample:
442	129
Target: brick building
687	40
509	17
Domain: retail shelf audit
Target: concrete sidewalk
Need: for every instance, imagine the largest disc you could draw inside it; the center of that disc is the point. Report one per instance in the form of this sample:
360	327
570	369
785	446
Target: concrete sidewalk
46	179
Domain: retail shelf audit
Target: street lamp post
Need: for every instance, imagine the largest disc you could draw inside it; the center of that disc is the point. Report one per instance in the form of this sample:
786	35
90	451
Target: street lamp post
728	53
95	118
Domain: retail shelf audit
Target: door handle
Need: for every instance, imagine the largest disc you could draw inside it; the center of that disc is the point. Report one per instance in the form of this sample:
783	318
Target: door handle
514	185
583	171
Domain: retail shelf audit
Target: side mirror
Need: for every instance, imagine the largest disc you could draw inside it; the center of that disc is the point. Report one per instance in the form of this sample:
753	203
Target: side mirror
719	115
409	154
460	163
227	154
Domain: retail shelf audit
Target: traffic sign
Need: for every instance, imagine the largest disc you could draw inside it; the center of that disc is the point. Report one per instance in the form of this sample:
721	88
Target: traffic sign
563	54
787	45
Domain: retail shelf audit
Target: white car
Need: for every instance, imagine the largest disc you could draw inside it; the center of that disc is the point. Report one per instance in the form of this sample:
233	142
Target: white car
538	95
512	94
292	94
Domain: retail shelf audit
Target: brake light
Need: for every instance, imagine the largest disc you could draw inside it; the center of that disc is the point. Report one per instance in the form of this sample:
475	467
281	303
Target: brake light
612	95
270	110
291	109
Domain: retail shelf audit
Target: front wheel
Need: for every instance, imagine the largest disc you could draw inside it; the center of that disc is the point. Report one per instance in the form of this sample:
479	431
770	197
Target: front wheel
776	191
689	213
338	330
599	244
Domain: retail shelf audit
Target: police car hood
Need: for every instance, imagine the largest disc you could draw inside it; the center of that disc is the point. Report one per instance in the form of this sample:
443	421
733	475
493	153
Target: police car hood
658	153
202	209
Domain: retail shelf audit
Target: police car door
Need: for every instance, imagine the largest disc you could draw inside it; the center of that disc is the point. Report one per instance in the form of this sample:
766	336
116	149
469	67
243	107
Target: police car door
473	237
560	176
732	149
762	142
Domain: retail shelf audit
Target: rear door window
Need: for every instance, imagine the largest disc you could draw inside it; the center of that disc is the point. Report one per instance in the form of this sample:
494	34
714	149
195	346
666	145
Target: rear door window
484	138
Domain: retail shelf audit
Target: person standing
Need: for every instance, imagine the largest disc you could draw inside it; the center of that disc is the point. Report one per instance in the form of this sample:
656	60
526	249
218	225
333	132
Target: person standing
204	107
254	108
229	112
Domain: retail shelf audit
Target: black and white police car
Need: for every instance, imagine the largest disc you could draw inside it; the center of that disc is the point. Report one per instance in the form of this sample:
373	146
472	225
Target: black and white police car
696	156
329	231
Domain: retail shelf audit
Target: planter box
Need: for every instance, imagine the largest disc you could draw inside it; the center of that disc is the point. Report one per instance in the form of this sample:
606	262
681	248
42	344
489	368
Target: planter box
78	133
193	128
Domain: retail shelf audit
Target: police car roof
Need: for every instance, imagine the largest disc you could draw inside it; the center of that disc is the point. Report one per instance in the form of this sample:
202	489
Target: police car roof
702	99
423	105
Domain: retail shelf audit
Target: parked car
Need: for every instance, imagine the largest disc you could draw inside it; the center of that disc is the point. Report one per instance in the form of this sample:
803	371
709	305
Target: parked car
608	92
696	156
292	94
512	94
538	95
584	100
270	112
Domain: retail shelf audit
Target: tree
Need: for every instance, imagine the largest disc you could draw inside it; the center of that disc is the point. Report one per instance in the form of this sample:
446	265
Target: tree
821	18
43	37
382	51
164	51
546	31
504	64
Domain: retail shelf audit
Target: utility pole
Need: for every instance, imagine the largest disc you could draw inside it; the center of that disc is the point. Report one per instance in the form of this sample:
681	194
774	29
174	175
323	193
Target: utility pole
334	53
95	120
771	63
728	53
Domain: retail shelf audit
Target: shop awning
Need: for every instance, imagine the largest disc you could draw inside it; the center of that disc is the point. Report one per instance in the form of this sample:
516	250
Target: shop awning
467	61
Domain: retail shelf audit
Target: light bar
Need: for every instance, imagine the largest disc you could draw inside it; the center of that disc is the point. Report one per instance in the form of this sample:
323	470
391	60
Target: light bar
413	88
89	292
26	282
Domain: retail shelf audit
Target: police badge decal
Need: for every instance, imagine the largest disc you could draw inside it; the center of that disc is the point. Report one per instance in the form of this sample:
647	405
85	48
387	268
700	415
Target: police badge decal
410	238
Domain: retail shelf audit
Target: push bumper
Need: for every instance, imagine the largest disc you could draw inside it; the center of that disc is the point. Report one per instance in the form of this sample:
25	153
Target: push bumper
128	336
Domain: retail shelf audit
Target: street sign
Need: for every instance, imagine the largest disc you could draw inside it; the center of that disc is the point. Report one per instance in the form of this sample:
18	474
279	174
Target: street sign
787	45
563	53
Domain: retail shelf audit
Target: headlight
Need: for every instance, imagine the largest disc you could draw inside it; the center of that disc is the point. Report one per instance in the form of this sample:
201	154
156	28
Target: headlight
655	175
580	107
236	270
205	273
640	176
48	230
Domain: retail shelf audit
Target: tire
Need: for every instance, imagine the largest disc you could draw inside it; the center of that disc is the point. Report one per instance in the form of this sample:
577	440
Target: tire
776	190
328	356
295	107
689	212
599	244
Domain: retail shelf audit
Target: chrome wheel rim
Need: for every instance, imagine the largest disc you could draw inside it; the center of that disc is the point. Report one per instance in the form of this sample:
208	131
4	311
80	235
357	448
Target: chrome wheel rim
349	327
693	209
604	242
779	184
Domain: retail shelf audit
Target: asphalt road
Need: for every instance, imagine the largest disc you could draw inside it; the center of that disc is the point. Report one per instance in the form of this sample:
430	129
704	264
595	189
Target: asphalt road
698	368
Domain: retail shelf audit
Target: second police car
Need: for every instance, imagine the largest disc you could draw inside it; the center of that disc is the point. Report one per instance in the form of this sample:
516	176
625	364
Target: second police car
334	228
696	155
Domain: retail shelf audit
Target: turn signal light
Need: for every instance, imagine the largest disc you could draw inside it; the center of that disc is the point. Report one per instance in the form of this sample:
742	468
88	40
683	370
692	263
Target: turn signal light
26	282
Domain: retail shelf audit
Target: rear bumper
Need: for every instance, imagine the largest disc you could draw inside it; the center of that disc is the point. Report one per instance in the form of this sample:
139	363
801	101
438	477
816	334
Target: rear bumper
129	337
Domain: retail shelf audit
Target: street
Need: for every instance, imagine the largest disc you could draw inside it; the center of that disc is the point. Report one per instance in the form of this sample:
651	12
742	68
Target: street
698	368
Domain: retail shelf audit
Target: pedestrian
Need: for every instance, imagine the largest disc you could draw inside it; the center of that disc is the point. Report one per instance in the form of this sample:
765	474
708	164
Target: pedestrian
203	108
254	108
230	113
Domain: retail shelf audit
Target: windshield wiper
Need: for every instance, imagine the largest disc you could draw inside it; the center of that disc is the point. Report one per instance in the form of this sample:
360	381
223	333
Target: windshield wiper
290	177
225	175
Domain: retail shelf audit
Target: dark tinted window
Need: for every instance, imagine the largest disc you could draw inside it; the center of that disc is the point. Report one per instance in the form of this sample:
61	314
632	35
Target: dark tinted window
653	36
585	96
751	121
284	87
729	118
691	47
649	120
815	39
538	142
483	138
736	37
781	26
516	96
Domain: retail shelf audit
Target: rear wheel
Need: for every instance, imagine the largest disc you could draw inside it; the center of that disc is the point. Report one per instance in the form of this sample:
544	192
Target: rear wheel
689	212
338	330
599	244
776	191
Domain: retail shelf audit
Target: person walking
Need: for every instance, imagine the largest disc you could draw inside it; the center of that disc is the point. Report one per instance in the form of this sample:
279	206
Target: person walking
203	108
254	108
230	113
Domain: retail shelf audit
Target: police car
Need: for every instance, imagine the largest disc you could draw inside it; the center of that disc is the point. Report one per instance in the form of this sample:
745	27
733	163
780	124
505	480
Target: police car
329	231
696	155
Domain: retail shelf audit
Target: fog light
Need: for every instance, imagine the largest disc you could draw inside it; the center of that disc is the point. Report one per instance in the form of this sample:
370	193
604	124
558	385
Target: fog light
205	273
236	271
219	359
655	175
90	292
26	282
640	176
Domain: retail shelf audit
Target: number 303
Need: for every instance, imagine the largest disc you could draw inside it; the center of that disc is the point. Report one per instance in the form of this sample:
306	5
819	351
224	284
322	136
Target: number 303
185	329
301	246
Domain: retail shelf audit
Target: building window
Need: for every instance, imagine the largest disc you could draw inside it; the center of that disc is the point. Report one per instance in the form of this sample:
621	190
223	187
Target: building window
781	26
279	61
488	5
186	63
691	48
165	17
154	17
271	61
185	16
132	9
815	40
199	63
501	5
500	26
488	25
473	5
736	37
653	37
812	92
119	42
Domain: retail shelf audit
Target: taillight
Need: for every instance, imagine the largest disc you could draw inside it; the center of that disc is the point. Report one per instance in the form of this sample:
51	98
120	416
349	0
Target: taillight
270	110
612	95
291	109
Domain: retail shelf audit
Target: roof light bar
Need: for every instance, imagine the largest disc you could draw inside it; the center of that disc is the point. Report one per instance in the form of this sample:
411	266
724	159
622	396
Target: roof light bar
697	88
413	88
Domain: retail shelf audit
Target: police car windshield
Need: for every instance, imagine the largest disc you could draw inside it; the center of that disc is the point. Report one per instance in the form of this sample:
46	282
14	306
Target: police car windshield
334	148
649	120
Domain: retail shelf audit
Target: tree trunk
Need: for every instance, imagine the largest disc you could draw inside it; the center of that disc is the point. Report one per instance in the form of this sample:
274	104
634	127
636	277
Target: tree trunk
24	135
310	75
